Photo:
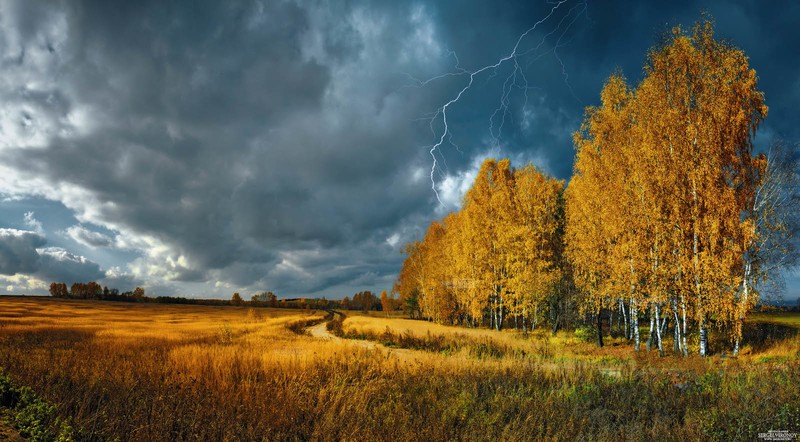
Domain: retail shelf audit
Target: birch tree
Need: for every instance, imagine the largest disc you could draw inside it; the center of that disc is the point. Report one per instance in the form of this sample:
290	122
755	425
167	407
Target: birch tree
532	242
703	108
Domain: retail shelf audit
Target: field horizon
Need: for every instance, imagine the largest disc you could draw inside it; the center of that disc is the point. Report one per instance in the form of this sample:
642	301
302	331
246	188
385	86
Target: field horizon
110	370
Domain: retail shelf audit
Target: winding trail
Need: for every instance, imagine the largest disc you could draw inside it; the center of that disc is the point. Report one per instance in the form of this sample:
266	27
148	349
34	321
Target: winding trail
406	355
320	331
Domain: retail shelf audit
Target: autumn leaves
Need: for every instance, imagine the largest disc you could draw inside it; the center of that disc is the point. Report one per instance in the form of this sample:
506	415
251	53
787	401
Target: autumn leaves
495	257
659	212
658	219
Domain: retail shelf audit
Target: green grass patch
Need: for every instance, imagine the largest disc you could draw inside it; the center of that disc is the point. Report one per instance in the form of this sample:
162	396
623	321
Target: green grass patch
33	417
773	359
791	319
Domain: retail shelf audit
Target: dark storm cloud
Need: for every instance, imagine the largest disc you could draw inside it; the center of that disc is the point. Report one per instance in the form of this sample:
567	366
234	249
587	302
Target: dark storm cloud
607	36
57	264
277	145
220	131
21	252
18	251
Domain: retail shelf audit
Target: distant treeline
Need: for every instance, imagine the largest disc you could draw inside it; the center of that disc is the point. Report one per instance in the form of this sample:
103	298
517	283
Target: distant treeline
364	301
93	290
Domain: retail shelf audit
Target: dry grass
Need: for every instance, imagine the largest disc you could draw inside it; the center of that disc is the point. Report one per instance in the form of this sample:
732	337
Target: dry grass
772	337
158	372
538	345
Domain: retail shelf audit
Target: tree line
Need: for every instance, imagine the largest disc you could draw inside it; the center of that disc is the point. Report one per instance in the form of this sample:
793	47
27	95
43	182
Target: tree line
93	290
670	217
364	300
498	257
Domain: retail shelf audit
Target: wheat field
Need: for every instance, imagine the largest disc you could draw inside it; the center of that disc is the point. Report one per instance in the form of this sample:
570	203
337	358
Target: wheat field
151	372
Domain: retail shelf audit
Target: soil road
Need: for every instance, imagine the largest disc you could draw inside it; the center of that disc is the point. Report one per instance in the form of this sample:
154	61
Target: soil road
320	331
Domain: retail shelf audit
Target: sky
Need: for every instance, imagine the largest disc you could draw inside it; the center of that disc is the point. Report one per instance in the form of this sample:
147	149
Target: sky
202	148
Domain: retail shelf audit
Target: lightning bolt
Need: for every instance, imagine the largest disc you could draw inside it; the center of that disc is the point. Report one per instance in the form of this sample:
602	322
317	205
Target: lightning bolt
515	80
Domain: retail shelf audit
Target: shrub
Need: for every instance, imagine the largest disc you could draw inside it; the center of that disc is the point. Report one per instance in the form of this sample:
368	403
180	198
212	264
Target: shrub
35	418
586	333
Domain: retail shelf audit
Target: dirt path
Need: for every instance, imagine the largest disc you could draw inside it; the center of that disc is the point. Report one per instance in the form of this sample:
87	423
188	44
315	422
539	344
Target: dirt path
320	331
405	355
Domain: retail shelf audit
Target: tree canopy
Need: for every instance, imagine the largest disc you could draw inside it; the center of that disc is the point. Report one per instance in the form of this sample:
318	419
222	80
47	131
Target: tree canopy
669	214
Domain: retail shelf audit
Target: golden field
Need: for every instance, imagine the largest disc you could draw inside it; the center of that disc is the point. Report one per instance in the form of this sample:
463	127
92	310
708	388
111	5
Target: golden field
128	371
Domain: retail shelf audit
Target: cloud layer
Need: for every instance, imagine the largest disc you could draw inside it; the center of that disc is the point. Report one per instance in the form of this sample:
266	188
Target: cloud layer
206	147
23	252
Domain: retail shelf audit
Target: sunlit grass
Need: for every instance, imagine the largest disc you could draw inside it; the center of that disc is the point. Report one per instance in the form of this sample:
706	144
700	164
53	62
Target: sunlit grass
162	372
539	344
791	319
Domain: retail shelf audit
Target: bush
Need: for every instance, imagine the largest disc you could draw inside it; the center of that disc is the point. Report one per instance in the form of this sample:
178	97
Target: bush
586	333
225	334
335	325
35	418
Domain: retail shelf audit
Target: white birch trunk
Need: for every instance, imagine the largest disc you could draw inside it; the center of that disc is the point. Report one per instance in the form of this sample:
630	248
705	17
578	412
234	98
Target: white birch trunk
742	307
676	337
658	333
499	313
703	333
635	325
524	323
685	345
703	337
625	317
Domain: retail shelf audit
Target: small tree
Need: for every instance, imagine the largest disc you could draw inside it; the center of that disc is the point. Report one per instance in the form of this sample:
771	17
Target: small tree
236	299
387	303
58	290
364	300
94	290
78	290
138	293
412	304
